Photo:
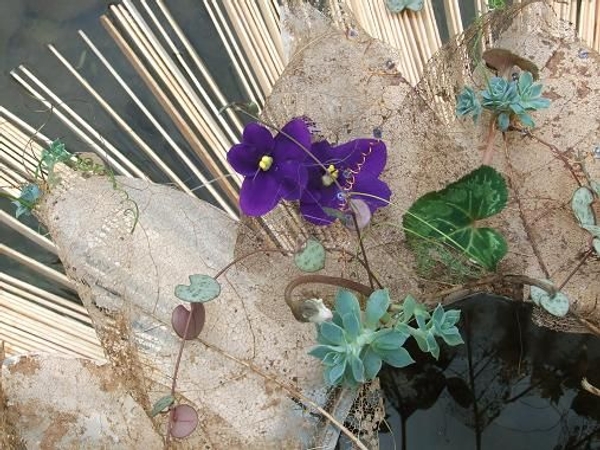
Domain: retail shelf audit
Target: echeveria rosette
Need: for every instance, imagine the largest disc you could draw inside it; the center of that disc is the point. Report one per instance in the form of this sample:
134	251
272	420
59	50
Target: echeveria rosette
530	99
501	96
353	345
273	167
468	104
350	170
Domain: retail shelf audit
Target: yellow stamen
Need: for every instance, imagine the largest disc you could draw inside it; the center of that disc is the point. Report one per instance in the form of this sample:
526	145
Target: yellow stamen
265	162
332	174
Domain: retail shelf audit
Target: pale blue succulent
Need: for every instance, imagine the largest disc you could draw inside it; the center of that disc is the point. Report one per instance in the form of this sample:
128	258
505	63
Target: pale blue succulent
504	99
354	345
468	104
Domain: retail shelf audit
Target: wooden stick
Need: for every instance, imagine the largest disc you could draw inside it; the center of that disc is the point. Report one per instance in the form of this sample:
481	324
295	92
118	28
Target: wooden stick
124	126
36	266
208	79
247	76
78	131
166	103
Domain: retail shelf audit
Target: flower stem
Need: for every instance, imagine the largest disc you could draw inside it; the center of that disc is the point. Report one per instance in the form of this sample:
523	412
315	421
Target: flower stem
488	154
297	306
362	248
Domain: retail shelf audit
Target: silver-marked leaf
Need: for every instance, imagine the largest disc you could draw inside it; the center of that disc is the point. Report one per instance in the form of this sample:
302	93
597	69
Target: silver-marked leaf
581	205
161	404
184	421
312	256
450	216
557	304
202	288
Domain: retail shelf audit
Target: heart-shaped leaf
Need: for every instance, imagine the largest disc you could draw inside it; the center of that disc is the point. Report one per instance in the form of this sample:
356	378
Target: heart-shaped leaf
180	316
557	304
581	205
184	421
161	404
312	256
202	289
449	216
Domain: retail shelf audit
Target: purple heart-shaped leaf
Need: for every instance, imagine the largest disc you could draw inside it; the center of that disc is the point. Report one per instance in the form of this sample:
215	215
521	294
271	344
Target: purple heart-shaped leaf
180	316
184	420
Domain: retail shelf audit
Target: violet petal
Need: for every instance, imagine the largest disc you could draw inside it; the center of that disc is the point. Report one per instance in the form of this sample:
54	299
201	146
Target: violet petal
244	159
258	136
296	149
292	177
259	194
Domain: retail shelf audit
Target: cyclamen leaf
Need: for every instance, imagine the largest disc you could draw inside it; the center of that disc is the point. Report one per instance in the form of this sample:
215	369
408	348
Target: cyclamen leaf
377	306
312	257
202	288
449	216
596	245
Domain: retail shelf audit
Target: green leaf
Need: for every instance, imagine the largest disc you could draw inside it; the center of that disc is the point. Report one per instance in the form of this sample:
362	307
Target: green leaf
580	203
331	334
372	363
398	358
312	256
449	216
202	289
347	303
396	6
433	346
358	369
438	316
557	304
377	306
503	121
321	351
335	374
161	404
452	337
351	326
388	339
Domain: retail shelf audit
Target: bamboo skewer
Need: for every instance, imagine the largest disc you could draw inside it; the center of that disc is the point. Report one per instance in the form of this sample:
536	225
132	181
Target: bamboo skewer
243	71
212	113
78	131
166	103
200	66
193	106
146	149
192	167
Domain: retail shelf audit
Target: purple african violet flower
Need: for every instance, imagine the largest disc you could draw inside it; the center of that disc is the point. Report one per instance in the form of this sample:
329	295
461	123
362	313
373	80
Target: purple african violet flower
355	166
274	167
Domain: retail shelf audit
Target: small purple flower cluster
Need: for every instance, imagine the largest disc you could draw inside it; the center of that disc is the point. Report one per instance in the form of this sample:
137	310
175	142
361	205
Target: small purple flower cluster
324	178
